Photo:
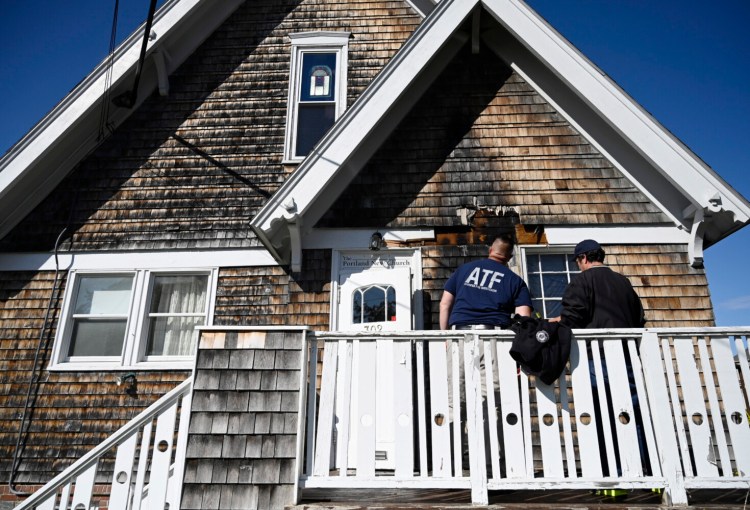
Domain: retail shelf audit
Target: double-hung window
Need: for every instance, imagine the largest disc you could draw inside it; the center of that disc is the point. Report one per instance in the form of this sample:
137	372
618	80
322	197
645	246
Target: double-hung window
547	274
317	89
138	318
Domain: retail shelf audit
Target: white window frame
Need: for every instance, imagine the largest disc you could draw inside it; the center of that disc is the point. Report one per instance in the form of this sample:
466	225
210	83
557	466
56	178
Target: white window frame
136	330
313	42
527	250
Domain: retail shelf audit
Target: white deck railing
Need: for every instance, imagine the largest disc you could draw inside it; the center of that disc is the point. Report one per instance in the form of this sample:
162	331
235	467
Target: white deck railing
654	408
148	466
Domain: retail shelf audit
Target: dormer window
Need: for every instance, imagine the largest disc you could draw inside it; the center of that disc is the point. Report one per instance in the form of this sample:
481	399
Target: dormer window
317	89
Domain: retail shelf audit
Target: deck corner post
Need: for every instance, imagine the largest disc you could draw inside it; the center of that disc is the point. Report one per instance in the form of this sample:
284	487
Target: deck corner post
675	493
663	422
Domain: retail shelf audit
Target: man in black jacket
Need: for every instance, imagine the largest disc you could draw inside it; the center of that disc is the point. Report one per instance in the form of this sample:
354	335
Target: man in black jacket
599	297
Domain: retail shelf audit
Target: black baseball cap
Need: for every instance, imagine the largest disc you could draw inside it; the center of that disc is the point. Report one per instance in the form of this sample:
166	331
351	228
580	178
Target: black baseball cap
586	246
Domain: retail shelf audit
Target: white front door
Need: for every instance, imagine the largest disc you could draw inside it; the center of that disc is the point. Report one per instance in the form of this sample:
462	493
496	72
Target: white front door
375	295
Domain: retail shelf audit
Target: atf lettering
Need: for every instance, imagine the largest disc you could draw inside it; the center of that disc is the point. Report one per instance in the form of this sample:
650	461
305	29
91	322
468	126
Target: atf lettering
485	274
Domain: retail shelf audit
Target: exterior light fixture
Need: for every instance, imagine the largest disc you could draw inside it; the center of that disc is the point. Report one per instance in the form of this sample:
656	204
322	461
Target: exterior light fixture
376	241
128	381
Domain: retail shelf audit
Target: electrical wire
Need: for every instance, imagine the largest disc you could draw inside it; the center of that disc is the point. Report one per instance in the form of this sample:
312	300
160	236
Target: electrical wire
33	378
104	114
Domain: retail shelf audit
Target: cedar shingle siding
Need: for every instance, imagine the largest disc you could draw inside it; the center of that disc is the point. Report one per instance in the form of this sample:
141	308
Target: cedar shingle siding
269	296
482	136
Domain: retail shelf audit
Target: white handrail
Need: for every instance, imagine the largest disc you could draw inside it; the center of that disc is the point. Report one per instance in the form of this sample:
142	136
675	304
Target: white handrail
85	462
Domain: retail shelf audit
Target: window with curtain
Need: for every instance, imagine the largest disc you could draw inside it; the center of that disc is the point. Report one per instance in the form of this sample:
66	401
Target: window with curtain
138	318
178	305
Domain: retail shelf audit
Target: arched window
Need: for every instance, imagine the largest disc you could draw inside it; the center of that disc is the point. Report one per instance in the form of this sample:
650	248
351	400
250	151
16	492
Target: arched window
374	303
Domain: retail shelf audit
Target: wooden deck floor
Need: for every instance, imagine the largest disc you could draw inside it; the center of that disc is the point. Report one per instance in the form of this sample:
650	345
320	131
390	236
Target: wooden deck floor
412	499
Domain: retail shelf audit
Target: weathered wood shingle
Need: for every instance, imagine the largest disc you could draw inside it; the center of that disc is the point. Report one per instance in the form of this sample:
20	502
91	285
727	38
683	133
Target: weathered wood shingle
243	444
482	137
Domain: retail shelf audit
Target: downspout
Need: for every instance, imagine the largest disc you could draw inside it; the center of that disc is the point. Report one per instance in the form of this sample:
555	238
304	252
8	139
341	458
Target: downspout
33	378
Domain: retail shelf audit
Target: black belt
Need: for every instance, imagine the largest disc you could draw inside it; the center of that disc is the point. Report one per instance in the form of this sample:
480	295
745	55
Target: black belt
475	326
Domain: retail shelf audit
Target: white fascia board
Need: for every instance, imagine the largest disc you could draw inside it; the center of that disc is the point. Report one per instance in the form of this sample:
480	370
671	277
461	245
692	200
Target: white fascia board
359	239
617	235
671	157
326	159
90	261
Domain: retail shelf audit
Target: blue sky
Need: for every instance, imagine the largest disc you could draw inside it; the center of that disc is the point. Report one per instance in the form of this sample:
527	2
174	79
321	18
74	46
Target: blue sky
685	61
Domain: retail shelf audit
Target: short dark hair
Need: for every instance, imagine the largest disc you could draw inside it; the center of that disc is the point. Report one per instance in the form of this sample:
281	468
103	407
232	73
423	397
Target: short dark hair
505	238
595	255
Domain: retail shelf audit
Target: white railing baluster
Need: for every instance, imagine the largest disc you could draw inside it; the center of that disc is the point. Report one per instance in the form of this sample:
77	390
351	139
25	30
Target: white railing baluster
162	457
676	409
324	439
623	412
549	430
525	390
48	504
695	408
606	427
511	415
565	416
344	392
65	495
366	403
140	478
473	381
735	408
588	440
422	408
439	417
123	472
715	409
664	422
311	414
645	409
458	412
489	381
84	488
403	411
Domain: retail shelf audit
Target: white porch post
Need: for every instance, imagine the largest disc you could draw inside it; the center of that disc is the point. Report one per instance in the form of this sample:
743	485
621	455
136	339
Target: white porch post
669	455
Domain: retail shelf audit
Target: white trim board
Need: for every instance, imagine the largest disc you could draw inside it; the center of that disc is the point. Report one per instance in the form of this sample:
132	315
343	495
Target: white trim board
617	235
135	260
359	239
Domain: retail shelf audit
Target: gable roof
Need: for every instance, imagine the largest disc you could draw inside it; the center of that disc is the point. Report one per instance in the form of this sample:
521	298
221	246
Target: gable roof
692	195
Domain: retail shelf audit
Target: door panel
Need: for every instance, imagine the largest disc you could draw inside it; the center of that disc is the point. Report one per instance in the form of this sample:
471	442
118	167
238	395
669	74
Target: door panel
375	299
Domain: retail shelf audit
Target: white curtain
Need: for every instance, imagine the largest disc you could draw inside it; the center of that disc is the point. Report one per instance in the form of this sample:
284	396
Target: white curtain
175	335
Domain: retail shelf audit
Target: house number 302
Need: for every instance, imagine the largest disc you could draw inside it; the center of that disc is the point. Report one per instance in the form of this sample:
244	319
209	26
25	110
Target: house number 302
373	327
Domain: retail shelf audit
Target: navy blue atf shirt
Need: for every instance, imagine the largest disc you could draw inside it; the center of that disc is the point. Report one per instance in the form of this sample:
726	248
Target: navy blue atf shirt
485	292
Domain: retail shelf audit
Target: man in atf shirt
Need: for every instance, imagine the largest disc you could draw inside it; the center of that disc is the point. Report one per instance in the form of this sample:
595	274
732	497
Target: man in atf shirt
485	294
